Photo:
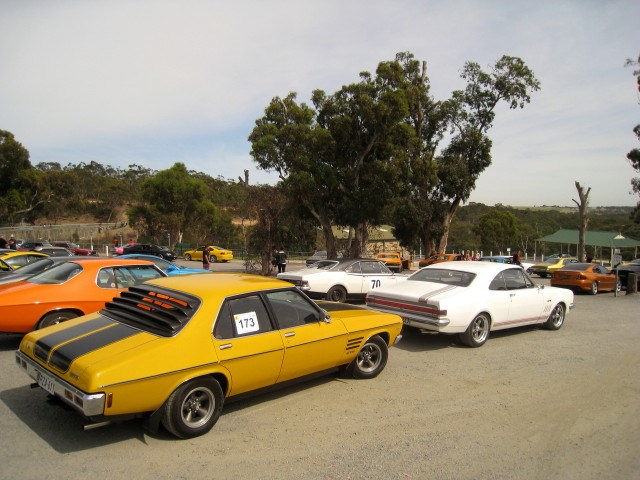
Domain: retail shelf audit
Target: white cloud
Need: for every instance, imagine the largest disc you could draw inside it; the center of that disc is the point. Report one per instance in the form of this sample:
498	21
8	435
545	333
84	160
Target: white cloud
154	82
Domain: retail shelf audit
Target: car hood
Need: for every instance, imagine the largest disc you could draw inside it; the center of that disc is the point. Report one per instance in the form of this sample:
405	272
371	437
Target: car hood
413	290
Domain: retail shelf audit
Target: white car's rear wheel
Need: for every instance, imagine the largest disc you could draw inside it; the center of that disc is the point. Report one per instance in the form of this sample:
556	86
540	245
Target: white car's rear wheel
337	294
477	332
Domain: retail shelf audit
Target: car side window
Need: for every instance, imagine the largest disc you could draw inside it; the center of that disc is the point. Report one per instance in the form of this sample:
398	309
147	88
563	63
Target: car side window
498	283
106	278
514	279
292	309
353	268
240	317
371	268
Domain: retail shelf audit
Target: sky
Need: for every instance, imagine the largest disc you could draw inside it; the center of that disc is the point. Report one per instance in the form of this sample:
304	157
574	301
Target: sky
152	82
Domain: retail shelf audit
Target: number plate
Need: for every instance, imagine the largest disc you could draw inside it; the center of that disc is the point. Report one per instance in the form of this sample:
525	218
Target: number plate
45	382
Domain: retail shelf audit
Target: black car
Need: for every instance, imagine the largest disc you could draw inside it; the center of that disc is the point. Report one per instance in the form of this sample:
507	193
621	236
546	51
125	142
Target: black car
149	249
623	272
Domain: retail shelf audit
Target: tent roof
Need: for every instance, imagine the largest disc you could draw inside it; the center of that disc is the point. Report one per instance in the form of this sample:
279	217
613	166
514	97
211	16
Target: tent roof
594	239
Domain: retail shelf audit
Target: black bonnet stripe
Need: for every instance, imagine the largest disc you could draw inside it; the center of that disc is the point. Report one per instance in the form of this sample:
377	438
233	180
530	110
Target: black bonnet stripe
45	344
63	356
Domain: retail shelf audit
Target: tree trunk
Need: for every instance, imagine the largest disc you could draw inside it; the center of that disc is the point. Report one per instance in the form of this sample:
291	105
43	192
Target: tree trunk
584	219
446	224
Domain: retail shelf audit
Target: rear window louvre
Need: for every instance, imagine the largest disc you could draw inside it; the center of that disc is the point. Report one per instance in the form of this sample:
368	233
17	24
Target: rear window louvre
152	309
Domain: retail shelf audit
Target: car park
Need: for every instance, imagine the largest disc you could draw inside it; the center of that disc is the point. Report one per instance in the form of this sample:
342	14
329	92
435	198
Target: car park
53	251
17	259
471	299
339	280
440	257
505	259
586	277
68	290
173	349
149	249
32	244
392	260
216	254
75	248
550	265
166	266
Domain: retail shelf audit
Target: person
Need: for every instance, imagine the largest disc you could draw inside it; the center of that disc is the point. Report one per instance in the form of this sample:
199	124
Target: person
206	259
516	258
281	257
467	255
131	242
589	258
12	243
3	243
115	242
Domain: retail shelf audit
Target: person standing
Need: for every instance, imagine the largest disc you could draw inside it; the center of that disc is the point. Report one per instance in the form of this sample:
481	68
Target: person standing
206	258
12	243
281	257
516	258
3	243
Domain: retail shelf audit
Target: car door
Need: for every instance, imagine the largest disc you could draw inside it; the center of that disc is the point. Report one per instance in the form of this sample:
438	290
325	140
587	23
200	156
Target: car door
606	280
375	274
526	301
247	344
311	343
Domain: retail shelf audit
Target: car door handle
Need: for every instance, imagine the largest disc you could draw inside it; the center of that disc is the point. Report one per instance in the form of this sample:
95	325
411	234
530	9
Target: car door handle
289	334
225	346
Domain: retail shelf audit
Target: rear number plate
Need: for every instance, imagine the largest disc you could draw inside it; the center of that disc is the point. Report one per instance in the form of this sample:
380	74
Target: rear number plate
45	382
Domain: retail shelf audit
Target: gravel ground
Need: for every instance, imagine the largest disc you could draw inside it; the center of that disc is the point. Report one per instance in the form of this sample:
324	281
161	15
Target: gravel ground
530	403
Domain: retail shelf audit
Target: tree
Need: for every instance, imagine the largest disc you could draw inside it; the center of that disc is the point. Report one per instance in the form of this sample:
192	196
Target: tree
21	188
496	229
583	205
174	203
634	155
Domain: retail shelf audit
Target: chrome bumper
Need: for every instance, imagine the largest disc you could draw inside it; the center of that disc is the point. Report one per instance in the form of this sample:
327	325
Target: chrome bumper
88	404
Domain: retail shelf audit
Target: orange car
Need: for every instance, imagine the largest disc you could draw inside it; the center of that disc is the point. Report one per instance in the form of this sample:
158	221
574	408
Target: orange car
589	277
440	257
69	290
392	260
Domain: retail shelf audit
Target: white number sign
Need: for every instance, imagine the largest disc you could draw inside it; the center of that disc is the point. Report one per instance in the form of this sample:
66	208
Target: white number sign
246	322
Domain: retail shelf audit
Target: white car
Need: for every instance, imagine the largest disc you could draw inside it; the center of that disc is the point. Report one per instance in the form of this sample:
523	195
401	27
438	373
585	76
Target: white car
339	280
473	298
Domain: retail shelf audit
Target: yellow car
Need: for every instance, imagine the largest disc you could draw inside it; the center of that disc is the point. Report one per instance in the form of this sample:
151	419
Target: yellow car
550	265
392	260
217	254
172	350
17	259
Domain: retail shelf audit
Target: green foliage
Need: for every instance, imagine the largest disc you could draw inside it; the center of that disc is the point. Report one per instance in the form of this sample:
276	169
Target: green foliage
496	229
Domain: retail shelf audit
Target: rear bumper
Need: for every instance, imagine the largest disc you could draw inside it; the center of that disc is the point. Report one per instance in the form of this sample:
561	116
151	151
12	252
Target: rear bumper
89	405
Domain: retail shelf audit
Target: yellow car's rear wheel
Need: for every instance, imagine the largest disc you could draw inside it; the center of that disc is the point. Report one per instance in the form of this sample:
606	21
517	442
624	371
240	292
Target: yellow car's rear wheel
193	408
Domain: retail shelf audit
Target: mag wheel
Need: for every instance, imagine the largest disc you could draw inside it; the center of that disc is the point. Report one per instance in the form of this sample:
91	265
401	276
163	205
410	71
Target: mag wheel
477	332
193	408
55	318
371	358
556	318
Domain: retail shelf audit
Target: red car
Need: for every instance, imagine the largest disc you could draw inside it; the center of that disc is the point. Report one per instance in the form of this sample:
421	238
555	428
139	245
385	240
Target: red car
75	248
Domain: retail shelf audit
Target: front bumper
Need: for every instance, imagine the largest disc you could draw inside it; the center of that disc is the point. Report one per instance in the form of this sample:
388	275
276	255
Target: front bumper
88	404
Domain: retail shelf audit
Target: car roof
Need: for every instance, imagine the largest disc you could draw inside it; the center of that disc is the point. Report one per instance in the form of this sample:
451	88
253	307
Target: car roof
473	266
220	284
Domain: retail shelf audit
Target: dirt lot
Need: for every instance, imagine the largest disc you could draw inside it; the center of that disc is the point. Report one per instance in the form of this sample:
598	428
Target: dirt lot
529	404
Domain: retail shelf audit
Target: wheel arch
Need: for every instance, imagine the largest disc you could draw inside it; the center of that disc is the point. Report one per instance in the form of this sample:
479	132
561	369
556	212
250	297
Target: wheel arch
74	310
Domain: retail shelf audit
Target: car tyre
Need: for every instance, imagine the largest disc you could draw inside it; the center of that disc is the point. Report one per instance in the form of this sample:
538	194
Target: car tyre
193	408
55	318
556	318
213	259
594	288
187	257
477	332
337	294
371	359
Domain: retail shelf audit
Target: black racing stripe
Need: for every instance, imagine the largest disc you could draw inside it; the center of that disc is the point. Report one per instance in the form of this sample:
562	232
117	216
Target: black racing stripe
63	356
45	344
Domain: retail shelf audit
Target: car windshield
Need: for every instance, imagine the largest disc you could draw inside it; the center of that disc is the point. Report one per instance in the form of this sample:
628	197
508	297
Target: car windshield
56	275
37	266
441	275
